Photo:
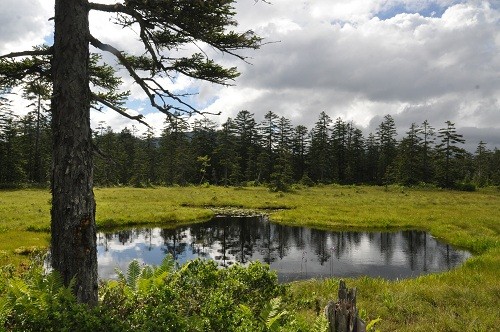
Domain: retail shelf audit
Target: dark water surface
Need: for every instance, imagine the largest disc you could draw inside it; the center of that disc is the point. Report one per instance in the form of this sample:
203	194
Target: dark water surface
295	252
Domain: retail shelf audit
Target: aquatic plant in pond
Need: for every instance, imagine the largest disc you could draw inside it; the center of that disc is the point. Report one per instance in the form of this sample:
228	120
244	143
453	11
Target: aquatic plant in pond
296	253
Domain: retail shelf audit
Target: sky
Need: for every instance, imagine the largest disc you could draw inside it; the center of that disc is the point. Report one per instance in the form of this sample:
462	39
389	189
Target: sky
359	60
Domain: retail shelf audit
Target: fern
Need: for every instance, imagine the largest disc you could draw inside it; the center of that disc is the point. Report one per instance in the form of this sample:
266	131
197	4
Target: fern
5	310
167	265
133	274
320	324
272	314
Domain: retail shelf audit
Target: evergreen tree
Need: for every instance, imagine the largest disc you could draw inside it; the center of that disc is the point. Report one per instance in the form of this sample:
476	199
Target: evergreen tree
227	155
386	136
320	151
11	159
339	150
355	156
428	137
372	159
177	163
282	176
164	26
268	131
300	147
482	165
448	153
495	167
105	164
203	144
409	157
146	160
37	131
247	141
125	156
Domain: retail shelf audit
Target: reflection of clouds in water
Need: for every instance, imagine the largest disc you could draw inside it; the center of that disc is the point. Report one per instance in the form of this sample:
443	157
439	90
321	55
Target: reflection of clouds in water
136	240
296	253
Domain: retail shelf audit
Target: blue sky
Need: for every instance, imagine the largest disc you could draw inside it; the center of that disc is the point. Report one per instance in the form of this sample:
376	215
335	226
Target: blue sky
432	10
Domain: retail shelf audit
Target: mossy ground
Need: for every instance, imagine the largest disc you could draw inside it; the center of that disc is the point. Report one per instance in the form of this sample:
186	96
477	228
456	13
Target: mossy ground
464	299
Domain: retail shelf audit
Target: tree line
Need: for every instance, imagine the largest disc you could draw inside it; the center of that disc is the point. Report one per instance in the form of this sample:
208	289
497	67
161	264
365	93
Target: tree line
243	151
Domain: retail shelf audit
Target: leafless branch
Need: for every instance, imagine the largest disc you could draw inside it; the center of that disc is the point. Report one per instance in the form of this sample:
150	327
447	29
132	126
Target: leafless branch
115	108
28	53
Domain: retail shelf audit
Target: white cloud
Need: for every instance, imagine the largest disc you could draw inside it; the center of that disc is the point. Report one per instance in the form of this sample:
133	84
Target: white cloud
333	56
24	23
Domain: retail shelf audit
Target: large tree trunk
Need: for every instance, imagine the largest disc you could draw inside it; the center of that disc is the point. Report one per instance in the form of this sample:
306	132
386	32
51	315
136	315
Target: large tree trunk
73	243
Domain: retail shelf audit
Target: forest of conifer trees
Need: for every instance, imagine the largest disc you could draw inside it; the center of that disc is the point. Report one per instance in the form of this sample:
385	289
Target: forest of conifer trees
242	151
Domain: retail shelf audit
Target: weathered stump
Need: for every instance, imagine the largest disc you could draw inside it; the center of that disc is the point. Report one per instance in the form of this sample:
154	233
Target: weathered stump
342	315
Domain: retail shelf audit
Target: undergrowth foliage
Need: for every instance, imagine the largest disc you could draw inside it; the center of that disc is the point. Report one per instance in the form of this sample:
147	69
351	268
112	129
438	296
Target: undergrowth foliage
197	296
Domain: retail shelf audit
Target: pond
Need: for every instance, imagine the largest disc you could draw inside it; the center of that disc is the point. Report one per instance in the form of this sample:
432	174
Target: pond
296	253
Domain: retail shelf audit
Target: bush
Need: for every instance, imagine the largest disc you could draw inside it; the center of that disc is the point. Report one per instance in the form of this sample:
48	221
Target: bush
197	296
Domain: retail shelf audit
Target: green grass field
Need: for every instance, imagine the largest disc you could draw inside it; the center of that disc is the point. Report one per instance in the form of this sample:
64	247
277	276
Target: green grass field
464	299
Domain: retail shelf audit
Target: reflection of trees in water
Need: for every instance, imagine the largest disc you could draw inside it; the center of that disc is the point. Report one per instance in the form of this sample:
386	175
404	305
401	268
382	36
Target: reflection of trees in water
202	239
320	246
148	236
124	236
228	240
387	246
247	237
267	248
297	234
422	254
284	236
340	241
449	257
103	240
173	241
416	249
234	238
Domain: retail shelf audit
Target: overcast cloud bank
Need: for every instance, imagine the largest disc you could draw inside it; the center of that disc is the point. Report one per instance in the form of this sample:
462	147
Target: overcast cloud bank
416	60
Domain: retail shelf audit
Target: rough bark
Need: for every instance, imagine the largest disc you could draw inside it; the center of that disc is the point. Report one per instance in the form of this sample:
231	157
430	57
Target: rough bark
73	242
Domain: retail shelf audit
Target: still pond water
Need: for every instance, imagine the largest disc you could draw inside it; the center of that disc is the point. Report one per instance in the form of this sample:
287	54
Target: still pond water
294	252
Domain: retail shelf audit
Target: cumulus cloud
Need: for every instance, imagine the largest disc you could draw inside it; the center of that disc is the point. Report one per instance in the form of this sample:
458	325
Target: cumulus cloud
25	23
433	60
362	67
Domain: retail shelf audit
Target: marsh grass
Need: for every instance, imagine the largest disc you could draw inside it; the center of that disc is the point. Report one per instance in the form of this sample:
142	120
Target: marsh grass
464	299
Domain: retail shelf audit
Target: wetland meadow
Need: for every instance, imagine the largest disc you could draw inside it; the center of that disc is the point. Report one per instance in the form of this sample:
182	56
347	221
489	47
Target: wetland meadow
465	298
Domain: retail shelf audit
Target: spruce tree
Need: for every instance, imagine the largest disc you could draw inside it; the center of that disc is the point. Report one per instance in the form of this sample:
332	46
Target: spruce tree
409	157
448	153
268	131
386	136
300	147
320	151
247	141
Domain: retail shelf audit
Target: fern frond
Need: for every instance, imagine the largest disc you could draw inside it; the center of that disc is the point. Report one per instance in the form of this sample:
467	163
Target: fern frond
5	309
147	272
167	265
272	313
133	273
320	324
53	283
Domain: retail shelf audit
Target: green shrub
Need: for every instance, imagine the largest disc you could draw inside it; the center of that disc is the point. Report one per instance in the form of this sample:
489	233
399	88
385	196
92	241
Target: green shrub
197	296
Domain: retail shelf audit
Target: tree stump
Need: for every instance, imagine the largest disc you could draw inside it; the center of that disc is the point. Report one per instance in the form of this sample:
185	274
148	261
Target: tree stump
342	315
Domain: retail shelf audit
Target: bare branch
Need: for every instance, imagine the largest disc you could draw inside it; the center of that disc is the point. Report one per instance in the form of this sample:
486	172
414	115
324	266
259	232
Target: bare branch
115	108
28	53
